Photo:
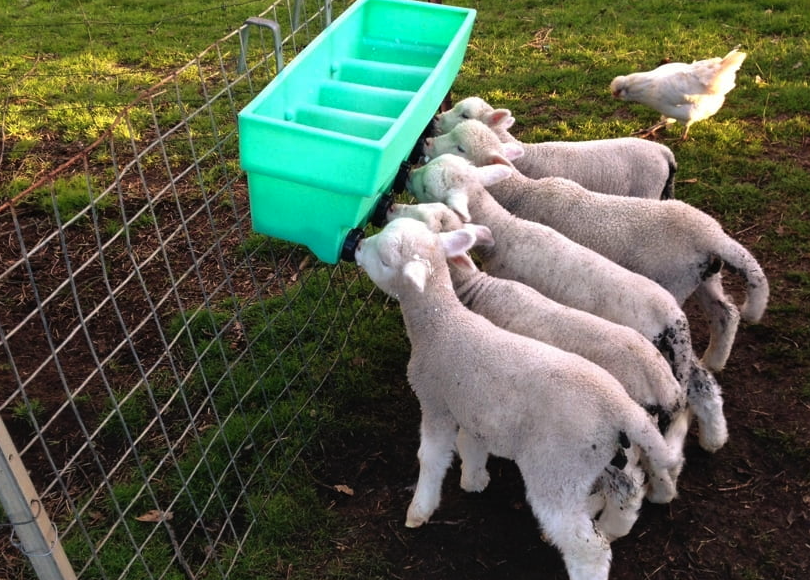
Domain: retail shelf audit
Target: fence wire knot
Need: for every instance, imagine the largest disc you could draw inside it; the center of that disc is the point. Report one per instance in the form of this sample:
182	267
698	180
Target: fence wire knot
32	520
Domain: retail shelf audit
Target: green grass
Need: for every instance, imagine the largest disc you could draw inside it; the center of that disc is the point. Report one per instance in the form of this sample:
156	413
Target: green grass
67	68
32	411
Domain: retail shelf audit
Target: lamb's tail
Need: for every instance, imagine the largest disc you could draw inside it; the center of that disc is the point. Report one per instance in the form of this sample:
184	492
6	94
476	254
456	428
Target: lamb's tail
740	261
669	187
661	461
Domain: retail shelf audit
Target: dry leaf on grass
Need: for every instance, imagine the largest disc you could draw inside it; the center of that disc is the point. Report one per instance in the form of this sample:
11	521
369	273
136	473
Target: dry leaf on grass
344	489
155	516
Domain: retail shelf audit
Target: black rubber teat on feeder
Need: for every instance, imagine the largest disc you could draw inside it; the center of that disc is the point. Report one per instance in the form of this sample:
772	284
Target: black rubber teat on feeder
378	218
350	244
414	158
401	177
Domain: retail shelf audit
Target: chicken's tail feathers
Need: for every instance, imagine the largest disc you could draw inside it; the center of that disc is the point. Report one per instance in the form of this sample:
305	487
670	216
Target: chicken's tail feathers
734	59
724	80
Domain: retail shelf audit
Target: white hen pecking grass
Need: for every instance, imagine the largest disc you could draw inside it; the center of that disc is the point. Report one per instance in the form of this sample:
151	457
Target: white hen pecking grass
681	92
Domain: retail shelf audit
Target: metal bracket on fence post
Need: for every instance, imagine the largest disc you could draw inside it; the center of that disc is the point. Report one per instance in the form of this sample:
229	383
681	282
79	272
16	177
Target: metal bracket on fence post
244	33
327	9
38	537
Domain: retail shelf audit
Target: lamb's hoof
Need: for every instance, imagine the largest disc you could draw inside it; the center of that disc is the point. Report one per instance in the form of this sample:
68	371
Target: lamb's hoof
665	492
475	484
713	362
415	520
712	439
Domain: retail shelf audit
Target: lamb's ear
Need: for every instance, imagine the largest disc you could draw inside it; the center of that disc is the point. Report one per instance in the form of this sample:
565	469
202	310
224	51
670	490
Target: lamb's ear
416	271
512	150
457	242
495	158
457	201
462	261
499	117
483	235
492	174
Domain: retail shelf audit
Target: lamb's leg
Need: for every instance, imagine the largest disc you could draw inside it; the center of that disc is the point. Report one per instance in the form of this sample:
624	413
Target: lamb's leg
438	434
724	318
676	436
675	343
585	549
706	402
474	474
624	494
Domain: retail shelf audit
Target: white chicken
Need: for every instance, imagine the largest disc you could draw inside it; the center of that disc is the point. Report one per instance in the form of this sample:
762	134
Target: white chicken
681	92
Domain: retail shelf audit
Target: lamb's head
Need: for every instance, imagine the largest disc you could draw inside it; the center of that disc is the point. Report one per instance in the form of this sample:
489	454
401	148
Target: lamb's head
403	256
475	142
473	108
440	218
436	216
450	180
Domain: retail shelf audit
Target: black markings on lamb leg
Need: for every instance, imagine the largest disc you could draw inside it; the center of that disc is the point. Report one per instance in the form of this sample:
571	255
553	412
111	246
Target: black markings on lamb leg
700	382
663	417
620	459
664	343
711	268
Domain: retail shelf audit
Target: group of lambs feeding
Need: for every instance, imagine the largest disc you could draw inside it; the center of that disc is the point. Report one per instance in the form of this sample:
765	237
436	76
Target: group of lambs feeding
566	422
569	353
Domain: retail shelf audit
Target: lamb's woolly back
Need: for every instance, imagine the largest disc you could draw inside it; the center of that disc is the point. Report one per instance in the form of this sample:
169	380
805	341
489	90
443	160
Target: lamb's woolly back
673	243
546	260
616	226
623	166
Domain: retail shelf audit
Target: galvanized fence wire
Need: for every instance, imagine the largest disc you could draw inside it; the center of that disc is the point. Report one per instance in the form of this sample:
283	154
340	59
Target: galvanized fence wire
156	365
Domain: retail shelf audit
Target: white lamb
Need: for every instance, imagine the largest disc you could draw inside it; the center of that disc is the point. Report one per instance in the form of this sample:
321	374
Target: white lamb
673	243
512	305
561	418
624	166
575	276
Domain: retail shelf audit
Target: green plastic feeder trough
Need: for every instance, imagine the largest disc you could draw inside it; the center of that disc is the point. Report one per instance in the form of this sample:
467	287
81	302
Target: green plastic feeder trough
322	143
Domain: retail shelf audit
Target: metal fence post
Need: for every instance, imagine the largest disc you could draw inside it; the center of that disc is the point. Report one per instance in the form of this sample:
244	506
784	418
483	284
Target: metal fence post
38	537
244	34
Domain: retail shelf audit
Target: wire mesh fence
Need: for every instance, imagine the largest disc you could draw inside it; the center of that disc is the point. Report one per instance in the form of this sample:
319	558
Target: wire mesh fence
160	362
